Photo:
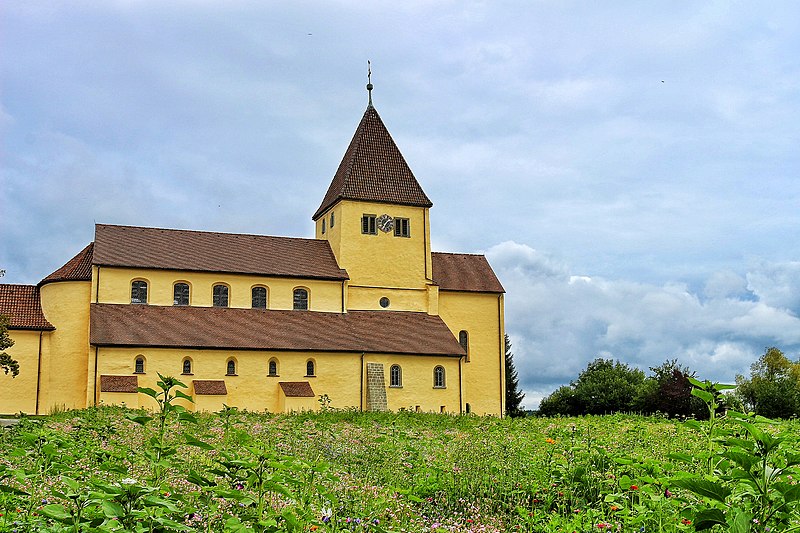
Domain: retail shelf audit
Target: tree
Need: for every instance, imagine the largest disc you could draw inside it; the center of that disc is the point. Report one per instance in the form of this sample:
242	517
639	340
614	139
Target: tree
513	395
669	391
607	386
561	401
6	362
773	389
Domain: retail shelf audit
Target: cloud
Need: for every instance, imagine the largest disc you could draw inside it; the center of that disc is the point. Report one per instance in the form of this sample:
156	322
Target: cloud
559	321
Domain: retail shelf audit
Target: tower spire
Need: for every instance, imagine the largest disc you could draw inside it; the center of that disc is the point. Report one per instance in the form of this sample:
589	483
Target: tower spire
369	81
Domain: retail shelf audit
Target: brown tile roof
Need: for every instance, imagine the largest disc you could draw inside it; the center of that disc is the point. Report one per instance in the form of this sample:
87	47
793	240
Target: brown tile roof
464	272
21	303
209	387
79	268
256	329
118	383
297	389
129	246
373	170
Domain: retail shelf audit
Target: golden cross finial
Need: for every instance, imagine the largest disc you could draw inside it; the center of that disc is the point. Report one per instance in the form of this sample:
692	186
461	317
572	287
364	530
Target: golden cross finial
369	81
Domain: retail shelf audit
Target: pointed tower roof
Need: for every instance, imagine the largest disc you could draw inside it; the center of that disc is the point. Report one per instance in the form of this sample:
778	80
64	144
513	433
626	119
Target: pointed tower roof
373	170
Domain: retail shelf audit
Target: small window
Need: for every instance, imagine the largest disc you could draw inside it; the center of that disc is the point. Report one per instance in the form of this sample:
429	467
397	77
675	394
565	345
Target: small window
395	376
220	293
463	340
368	225
438	377
310	368
273	367
331	220
231	369
384	302
300	300
401	227
259	297
139	292
187	366
180	294
323	226
138	366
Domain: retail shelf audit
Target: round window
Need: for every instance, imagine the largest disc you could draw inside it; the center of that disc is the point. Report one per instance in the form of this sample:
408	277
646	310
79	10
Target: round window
384	302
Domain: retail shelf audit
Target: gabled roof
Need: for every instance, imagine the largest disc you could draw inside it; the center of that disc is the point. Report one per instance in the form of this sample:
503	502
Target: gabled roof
464	272
171	249
373	170
22	304
79	268
399	332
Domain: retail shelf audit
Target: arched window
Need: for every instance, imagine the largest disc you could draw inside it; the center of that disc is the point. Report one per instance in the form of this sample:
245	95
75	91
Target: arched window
138	365
273	367
231	369
395	376
220	293
180	294
463	340
300	300
259	297
138	292
438	377
187	366
310	368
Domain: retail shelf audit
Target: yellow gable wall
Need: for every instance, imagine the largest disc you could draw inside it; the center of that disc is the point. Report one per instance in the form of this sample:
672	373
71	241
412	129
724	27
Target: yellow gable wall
115	287
336	374
481	315
381	260
19	394
65	351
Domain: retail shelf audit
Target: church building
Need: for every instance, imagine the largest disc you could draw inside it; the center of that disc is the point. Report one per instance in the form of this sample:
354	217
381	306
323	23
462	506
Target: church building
362	316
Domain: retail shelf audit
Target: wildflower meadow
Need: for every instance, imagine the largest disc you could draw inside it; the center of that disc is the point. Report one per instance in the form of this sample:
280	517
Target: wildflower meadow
117	469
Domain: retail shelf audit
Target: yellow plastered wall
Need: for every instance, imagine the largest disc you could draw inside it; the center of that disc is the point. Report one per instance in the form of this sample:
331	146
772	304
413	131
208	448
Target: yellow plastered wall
19	394
368	299
381	260
115	287
65	351
336	374
298	404
481	315
417	388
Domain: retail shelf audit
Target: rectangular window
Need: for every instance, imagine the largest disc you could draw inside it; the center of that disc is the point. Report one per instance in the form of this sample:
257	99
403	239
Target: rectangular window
368	225
401	227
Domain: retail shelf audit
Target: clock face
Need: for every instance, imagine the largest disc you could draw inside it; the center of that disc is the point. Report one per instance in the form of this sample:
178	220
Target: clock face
385	223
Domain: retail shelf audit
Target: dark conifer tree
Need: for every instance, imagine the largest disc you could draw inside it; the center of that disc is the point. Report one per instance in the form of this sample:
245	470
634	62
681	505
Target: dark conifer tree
513	395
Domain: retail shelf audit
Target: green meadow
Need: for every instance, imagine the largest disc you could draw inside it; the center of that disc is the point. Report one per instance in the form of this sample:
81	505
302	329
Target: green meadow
114	469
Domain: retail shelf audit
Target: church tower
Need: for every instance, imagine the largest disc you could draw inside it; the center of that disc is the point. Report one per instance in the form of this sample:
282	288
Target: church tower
375	216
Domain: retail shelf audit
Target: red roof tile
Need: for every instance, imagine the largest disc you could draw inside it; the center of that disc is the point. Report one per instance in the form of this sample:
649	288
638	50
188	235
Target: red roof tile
79	268
209	387
118	383
464	272
129	246
373	170
256	329
21	303
297	389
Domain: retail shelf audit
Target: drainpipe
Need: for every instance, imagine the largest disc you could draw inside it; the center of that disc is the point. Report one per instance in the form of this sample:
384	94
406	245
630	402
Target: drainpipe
94	397
97	288
502	356
361	390
38	373
460	387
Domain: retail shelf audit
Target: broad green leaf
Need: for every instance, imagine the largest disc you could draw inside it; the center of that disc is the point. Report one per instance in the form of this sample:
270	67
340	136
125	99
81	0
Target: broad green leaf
56	512
708	518
190	440
12	490
741	522
112	509
682	457
148	391
704	487
703	395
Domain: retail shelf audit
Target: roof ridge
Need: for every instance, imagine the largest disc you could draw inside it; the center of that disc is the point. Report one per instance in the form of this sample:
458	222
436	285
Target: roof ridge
207	232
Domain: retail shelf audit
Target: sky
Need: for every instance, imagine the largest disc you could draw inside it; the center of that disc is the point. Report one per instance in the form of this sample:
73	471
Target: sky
631	170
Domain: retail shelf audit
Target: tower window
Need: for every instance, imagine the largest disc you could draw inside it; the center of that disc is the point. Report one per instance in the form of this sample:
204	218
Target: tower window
395	376
331	220
300	300
220	293
323	226
438	377
180	294
463	340
368	225
402	227
259	295
139	292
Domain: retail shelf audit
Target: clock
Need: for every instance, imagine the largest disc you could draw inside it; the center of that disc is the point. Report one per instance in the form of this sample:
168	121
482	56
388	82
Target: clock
385	223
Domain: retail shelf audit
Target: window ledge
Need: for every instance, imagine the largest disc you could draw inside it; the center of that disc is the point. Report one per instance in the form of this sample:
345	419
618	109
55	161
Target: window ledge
187	373
395	386
439	387
231	374
309	376
273	375
140	373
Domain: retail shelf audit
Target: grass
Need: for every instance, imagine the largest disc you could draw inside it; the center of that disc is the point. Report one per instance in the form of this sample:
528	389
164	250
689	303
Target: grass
94	470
